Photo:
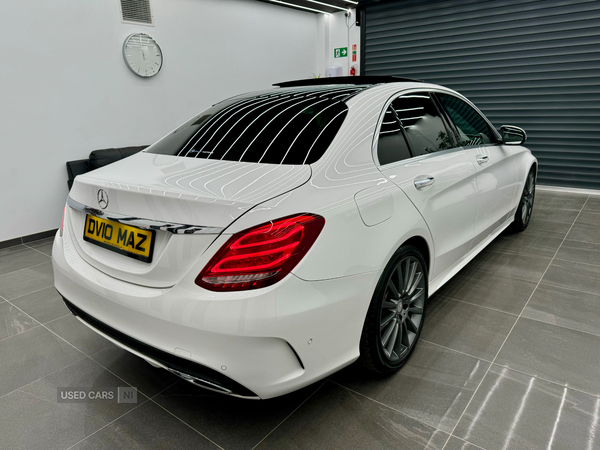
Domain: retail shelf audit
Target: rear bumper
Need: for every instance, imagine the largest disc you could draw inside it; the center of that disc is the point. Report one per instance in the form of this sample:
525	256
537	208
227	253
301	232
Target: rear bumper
186	369
254	344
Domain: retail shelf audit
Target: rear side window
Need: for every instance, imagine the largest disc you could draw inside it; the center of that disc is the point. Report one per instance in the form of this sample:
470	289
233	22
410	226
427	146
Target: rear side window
391	146
422	123
295	126
472	128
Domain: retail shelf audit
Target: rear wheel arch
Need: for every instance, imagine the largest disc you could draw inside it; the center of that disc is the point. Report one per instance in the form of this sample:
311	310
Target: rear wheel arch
375	340
420	243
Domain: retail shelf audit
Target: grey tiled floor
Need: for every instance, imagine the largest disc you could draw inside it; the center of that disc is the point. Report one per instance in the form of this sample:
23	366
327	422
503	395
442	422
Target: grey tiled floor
509	359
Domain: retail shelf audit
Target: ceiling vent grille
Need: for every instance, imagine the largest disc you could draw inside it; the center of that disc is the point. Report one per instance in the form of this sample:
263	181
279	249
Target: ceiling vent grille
136	11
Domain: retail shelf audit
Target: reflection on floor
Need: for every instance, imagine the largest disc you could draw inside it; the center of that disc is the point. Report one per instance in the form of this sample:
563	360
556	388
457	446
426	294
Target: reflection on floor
509	359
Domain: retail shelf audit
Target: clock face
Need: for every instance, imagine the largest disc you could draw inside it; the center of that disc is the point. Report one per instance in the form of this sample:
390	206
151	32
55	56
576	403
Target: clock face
142	55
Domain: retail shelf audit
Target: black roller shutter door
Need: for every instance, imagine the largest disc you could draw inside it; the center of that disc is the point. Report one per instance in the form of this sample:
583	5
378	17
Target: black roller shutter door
533	64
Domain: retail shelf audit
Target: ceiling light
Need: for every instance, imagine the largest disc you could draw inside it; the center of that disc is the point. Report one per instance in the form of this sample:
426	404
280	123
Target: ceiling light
328	5
301	7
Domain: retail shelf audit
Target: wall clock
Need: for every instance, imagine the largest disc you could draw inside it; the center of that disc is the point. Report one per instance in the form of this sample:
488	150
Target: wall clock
142	55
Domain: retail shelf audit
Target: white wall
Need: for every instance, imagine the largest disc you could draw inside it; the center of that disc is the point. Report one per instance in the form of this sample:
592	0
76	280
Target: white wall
333	33
65	90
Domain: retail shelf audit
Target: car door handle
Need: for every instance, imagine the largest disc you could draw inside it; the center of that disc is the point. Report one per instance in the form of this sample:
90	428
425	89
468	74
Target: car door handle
423	181
482	159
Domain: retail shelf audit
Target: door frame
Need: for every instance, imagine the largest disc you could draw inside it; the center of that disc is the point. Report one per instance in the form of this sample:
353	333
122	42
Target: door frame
448	123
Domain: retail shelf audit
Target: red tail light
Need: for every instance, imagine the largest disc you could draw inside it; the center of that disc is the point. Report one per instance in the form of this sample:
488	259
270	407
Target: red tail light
261	256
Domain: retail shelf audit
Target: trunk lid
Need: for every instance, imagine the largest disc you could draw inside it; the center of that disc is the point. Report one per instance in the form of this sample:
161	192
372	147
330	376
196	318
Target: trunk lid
177	191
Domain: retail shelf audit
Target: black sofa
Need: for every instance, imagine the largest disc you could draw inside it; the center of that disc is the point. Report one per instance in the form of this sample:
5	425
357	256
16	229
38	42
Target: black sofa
97	159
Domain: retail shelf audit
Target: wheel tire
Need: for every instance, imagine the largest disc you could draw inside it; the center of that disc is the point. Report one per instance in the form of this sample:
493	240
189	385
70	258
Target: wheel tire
525	208
395	306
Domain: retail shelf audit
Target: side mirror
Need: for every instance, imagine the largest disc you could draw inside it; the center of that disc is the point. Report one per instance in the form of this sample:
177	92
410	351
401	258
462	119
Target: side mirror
513	135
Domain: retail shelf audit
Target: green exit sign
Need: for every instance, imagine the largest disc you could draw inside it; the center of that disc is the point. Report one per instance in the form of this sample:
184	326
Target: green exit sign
341	52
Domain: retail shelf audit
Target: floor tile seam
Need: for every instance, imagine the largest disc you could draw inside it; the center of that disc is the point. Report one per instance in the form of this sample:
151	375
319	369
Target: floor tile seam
455	351
36	320
148	399
513	252
58	318
317	388
540	193
38	379
92	358
388	406
513	327
562	326
550	284
82	352
151	399
539	220
543	207
27	314
11	248
470	443
475	304
578	262
19	334
109	423
27	268
25	247
549	208
590	211
25	295
481	270
33	248
327	380
542	189
50	239
61	338
555	383
69	313
112	373
580	241
562	190
547	284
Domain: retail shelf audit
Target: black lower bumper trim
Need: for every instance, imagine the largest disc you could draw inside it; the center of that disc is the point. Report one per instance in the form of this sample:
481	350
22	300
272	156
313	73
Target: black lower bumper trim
167	359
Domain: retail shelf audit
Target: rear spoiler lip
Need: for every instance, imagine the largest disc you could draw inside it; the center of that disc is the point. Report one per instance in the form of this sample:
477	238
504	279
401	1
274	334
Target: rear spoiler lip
148	224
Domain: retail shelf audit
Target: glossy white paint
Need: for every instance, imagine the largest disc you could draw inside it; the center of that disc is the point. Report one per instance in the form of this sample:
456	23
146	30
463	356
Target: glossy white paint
449	205
171	189
375	204
186	190
319	309
246	331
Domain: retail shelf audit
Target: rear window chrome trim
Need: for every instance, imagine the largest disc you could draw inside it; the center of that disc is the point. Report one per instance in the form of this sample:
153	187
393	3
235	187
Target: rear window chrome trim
147	224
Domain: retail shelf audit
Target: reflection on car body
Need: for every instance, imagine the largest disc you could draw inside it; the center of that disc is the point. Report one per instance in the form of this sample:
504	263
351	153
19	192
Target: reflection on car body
295	230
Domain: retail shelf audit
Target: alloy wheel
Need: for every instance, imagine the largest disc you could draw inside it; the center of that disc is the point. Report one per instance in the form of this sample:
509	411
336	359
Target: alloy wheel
402	309
528	194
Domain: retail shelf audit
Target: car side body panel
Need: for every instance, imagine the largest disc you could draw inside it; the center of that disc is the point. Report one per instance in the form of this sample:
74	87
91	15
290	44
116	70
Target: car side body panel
496	187
448	206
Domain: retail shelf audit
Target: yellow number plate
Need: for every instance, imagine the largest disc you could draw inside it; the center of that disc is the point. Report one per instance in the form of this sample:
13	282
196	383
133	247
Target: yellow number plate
127	240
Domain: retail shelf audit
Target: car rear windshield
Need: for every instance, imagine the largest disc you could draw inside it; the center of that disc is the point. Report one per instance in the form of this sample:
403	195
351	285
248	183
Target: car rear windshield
291	126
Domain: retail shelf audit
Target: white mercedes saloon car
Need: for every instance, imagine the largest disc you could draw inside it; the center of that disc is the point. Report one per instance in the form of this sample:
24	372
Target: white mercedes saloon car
281	235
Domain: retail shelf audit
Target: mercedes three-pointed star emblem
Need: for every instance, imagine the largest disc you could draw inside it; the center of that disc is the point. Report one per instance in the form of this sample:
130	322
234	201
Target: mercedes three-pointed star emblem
102	198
